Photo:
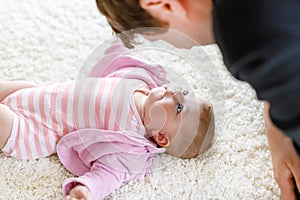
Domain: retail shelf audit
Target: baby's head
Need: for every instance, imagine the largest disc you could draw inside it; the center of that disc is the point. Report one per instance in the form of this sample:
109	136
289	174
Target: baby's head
178	120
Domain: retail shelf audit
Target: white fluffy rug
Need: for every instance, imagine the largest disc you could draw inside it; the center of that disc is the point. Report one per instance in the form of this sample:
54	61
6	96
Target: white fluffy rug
47	41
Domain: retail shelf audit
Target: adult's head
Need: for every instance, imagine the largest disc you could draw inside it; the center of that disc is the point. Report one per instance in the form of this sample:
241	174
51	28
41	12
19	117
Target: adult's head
192	18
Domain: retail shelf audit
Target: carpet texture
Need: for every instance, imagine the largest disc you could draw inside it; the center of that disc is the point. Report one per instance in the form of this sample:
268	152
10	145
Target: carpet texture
48	41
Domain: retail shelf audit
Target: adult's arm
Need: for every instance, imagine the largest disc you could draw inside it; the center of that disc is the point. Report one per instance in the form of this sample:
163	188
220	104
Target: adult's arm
260	43
285	160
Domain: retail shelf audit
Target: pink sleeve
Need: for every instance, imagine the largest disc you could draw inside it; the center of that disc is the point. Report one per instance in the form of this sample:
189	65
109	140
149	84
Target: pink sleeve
118	61
105	159
100	181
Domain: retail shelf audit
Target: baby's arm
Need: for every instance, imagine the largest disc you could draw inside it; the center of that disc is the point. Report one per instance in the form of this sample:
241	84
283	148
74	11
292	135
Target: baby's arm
8	87
100	181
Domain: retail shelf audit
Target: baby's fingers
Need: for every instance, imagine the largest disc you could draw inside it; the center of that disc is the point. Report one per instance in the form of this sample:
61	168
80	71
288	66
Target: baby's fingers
79	192
68	198
73	198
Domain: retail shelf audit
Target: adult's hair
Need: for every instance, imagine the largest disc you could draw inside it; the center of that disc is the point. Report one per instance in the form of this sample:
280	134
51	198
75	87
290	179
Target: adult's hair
127	19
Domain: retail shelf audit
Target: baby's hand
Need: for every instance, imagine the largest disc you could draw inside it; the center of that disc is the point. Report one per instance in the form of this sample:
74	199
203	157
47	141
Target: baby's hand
79	192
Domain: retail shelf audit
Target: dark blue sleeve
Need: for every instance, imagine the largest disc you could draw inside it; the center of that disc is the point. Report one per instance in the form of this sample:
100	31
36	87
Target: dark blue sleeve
260	42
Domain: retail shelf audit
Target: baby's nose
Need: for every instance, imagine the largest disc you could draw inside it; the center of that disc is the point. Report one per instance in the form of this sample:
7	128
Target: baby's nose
170	90
174	93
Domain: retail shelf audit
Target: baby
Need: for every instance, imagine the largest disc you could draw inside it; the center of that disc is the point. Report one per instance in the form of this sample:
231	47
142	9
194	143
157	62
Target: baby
105	130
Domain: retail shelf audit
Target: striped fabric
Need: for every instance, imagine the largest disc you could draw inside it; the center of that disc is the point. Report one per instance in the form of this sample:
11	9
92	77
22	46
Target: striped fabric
44	114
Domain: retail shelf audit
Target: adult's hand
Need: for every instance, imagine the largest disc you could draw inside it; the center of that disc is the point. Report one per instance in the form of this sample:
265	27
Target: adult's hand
285	160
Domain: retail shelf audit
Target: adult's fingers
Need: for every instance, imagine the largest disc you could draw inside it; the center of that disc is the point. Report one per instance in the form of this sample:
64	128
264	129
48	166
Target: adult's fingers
295	168
286	184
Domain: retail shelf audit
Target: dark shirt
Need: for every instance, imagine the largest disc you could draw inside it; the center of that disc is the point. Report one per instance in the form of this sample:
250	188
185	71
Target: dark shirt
260	43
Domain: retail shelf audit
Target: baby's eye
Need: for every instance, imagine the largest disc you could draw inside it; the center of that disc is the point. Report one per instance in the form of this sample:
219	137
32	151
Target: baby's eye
179	108
185	92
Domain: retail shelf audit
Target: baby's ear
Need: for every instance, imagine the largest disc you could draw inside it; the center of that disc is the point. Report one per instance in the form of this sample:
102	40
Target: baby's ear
161	139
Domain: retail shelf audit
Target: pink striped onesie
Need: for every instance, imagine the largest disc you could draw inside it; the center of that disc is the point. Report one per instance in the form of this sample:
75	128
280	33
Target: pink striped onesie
92	124
43	115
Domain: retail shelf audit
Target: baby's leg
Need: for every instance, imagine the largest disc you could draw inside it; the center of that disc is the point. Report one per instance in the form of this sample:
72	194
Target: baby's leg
8	87
6	122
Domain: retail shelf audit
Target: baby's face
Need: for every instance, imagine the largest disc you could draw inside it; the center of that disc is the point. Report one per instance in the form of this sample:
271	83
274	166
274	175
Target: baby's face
174	111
